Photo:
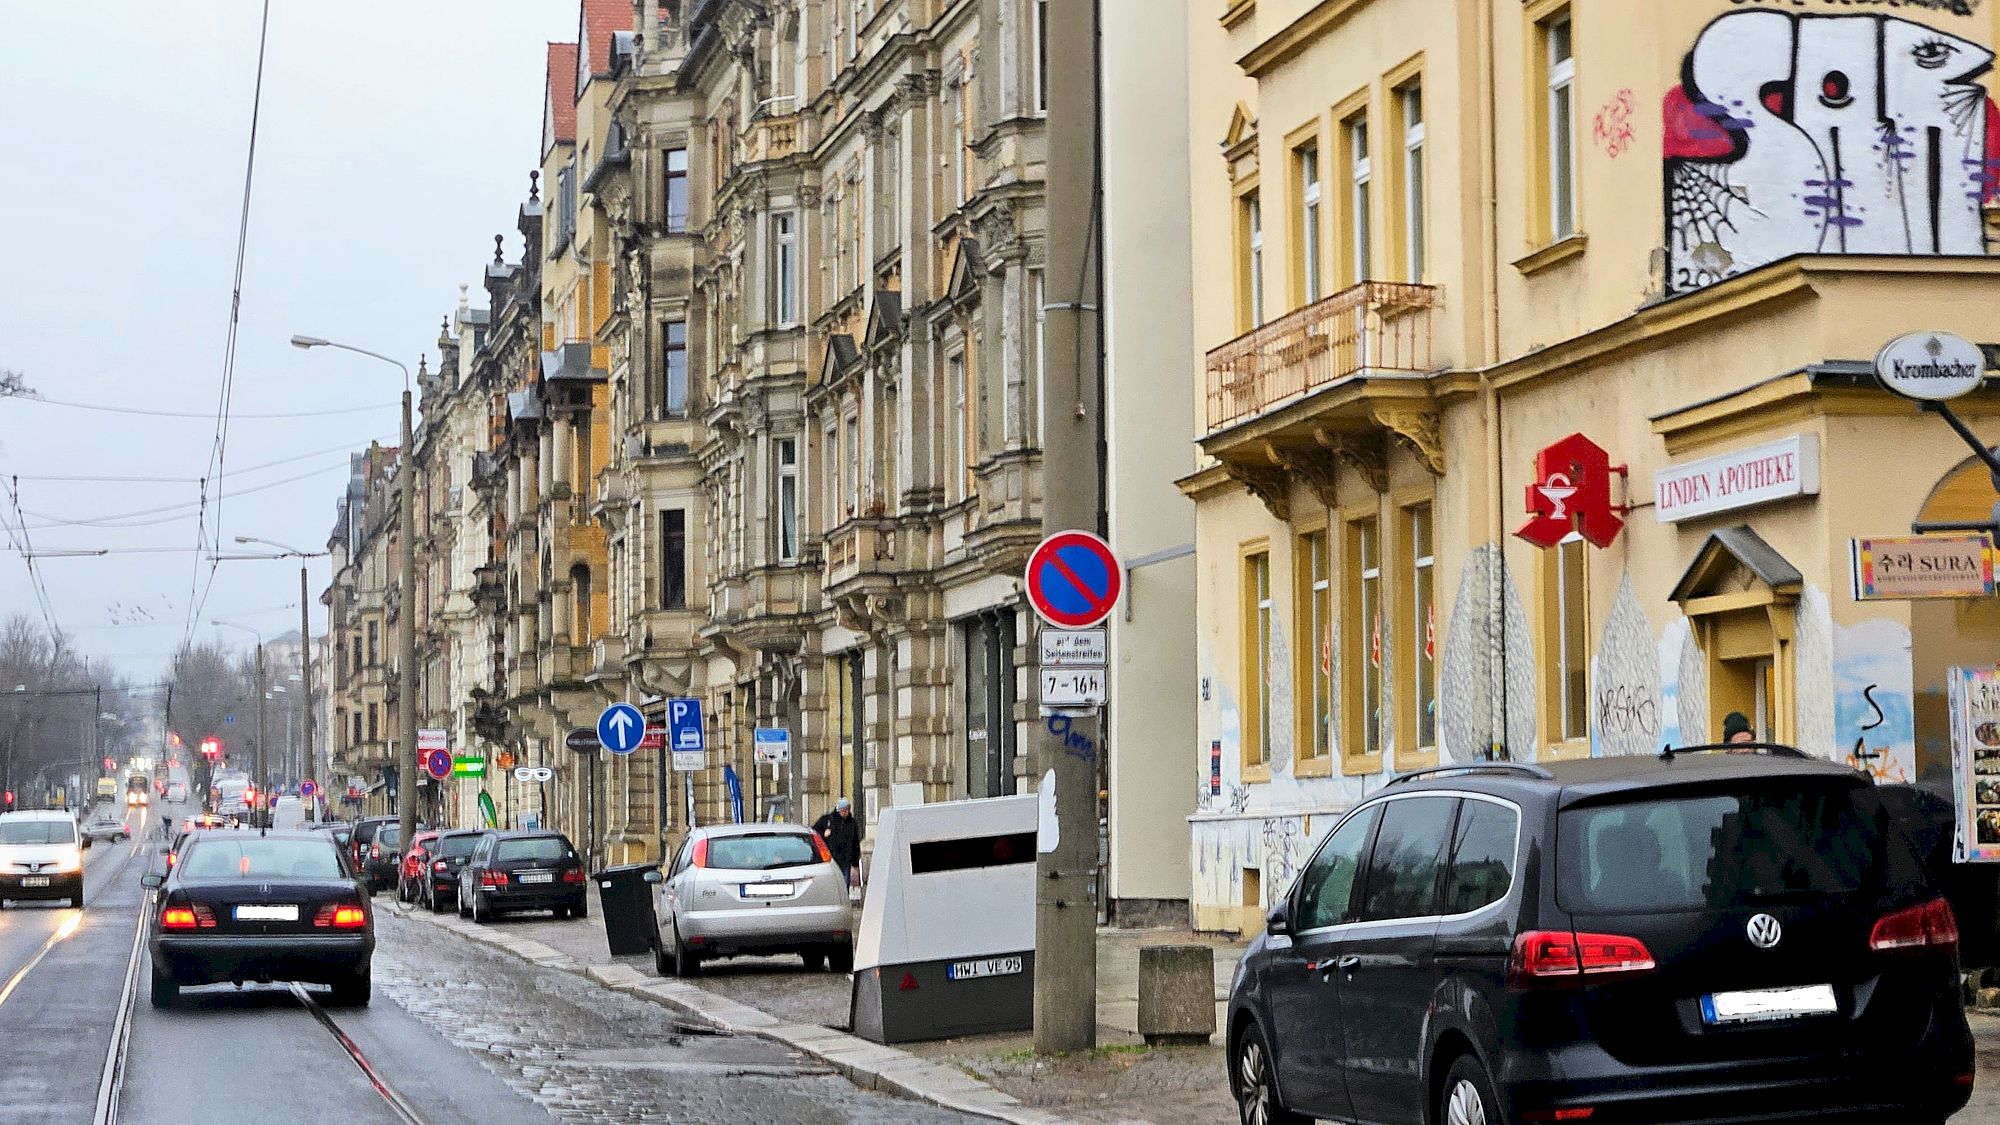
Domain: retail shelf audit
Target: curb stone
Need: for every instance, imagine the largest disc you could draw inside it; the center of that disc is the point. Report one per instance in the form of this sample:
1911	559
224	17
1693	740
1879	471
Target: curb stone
867	1064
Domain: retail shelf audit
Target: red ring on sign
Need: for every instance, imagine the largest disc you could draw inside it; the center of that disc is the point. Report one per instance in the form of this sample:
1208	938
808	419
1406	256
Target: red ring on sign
1047	570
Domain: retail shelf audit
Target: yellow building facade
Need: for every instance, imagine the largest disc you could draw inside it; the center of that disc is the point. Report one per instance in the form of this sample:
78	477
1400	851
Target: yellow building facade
1431	243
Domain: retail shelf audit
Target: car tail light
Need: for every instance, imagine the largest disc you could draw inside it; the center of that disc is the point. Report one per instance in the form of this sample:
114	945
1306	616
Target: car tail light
187	917
492	878
819	846
341	916
374	851
1543	957
701	852
1929	926
1573	1113
573	875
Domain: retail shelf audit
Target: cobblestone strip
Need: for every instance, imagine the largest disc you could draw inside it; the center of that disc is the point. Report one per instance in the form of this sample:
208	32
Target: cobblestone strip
867	1064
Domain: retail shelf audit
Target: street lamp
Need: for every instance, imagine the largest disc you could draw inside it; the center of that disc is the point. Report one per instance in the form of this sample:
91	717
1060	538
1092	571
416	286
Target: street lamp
263	777
305	621
406	630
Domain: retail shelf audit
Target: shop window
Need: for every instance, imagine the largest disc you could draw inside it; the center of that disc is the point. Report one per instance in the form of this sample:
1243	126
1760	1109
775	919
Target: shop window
1256	646
1361	663
1313	664
1565	612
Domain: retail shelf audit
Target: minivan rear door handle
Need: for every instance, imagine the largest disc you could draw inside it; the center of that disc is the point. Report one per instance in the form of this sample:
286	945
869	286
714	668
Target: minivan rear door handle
1348	963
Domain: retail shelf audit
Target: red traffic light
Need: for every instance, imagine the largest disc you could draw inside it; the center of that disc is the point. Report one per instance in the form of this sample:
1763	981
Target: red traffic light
10	797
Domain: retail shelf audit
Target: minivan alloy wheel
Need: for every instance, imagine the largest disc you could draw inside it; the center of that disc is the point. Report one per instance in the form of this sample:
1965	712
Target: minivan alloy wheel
1465	1107
1256	1098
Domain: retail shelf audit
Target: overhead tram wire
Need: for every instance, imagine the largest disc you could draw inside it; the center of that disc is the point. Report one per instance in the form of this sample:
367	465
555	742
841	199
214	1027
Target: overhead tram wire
27	547
344	447
107	521
144	412
218	451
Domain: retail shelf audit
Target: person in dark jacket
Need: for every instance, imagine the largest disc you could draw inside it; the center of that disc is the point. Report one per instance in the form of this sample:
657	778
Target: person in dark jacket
843	837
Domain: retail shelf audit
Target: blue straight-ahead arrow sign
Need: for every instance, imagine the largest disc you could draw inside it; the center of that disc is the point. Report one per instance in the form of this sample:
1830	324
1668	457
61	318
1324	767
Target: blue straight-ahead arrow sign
621	728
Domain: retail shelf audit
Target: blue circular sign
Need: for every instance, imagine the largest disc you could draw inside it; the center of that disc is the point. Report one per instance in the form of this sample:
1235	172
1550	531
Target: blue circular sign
621	728
308	789
438	763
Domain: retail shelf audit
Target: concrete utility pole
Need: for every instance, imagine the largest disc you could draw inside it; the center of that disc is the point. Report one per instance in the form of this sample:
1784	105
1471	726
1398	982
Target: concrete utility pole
1073	472
306	689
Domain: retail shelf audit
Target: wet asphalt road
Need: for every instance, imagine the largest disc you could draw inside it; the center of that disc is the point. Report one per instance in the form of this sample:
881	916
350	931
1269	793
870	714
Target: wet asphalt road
458	1033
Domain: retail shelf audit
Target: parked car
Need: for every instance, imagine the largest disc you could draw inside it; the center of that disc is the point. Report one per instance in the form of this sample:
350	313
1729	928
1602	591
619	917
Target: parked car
41	856
410	869
751	890
382	859
362	835
448	854
528	870
249	906
1695	936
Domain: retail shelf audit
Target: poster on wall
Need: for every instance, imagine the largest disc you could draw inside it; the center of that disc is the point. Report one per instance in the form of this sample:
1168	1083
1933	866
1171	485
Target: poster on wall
1973	695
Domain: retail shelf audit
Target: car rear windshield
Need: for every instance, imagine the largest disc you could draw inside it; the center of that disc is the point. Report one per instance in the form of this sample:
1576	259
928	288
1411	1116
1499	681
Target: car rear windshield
1720	850
756	853
389	835
452	847
256	855
536	848
37	832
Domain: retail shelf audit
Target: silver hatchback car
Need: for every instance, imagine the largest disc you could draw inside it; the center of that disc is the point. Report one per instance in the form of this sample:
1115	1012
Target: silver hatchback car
737	890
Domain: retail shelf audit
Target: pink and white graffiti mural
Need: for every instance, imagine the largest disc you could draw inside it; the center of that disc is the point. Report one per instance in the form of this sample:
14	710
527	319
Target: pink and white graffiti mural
1824	134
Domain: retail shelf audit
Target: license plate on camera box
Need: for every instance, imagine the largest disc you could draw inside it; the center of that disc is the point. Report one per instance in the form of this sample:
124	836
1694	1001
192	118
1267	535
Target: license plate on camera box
537	877
1764	1004
984	967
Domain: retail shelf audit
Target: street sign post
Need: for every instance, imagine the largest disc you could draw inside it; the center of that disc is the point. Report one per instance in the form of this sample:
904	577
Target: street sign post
1074	579
686	736
1072	687
583	740
468	767
620	728
1074	648
437	763
772	745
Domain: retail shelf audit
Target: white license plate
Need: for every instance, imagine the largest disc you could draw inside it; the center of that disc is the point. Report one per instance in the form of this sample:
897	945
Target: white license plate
1769	1004
34	880
287	912
985	967
537	877
767	890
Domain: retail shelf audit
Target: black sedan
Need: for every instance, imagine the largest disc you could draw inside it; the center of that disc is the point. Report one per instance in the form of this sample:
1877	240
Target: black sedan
522	871
241	907
448	854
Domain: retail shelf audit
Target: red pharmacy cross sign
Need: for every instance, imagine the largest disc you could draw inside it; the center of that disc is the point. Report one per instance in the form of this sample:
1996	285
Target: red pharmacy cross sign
1572	492
1074	579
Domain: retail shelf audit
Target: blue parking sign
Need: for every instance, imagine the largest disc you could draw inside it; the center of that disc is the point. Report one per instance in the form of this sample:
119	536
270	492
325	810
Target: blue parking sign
684	728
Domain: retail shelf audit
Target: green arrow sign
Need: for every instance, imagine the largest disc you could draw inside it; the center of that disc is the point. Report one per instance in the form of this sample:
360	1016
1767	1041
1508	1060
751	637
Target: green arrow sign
468	767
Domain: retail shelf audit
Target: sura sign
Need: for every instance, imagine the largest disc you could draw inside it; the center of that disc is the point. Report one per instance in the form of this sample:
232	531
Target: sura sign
1777	470
1930	366
1894	567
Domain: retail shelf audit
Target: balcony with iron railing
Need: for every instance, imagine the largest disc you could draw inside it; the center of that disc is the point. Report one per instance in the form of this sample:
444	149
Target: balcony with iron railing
1374	328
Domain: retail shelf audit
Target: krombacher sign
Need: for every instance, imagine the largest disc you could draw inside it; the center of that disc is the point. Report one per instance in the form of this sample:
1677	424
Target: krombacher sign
1930	366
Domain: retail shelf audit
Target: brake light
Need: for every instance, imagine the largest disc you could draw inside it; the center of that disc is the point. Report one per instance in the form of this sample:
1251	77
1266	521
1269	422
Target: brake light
187	917
1543	957
1929	926
701	852
1574	1113
340	916
819	846
492	878
374	851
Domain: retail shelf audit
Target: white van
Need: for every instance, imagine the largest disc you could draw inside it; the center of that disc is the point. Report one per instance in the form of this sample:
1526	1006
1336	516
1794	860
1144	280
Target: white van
40	856
288	814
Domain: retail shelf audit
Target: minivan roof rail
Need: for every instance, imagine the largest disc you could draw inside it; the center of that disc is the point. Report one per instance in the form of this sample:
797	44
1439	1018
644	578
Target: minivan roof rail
1776	749
1529	768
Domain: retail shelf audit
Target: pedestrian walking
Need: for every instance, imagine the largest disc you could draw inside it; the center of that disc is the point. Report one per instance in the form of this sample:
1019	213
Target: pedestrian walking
1736	729
842	834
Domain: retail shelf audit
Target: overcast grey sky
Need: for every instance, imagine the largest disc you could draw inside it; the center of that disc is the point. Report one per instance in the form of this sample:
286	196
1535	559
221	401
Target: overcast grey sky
395	141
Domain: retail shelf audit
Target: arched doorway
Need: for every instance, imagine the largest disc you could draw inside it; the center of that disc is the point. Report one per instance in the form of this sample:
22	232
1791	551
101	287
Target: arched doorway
1952	631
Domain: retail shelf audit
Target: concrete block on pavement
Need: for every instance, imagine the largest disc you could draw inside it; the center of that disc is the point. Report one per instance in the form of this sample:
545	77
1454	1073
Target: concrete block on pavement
1176	993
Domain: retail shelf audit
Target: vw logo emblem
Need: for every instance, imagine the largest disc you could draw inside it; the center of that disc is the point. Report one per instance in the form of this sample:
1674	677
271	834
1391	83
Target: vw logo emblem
263	888
1765	932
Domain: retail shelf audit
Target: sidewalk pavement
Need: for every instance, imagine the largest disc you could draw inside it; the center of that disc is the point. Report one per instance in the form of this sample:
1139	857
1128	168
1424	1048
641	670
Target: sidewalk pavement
1122	1082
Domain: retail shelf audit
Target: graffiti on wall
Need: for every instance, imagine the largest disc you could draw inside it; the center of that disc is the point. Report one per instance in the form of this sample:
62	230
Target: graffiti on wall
1625	681
1612	127
1824	134
1874	716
